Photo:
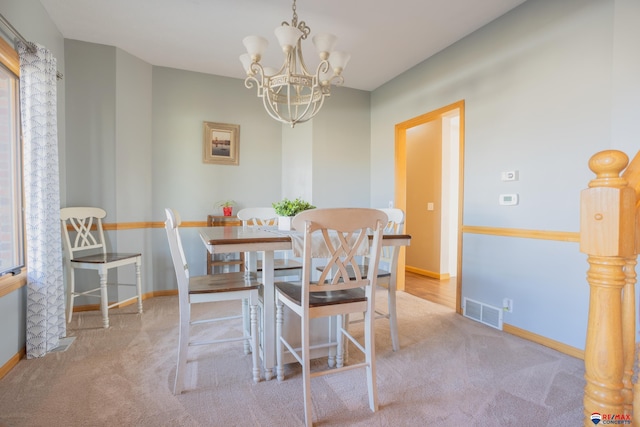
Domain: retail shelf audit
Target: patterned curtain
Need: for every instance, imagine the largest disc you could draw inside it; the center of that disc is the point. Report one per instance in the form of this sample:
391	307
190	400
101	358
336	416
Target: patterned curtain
45	285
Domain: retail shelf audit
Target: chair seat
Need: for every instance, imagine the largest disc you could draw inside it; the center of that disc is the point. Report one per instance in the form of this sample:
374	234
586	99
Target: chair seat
293	291
224	282
282	264
104	258
364	270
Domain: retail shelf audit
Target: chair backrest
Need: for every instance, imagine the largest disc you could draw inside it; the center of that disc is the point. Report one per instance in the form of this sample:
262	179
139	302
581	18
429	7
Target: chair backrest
339	236
258	217
395	225
177	253
86	223
396	220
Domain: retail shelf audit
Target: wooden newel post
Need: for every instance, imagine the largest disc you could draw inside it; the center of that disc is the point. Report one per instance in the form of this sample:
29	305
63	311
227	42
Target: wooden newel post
607	213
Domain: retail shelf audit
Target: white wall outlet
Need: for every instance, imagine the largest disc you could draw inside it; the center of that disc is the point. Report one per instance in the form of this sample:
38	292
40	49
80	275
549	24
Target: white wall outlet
390	204
509	176
507	305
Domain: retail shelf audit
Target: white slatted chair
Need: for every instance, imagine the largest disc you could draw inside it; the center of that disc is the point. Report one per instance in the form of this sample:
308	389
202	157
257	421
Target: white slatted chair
210	288
334	292
388	274
267	217
85	248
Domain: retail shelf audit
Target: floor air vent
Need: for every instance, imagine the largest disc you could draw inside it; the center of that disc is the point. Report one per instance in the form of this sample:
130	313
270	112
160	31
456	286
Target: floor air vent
483	313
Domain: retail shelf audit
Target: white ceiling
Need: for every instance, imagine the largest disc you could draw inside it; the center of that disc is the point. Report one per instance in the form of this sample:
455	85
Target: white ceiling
385	38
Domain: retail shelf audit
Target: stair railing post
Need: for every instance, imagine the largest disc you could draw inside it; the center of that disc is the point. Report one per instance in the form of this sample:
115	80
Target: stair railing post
607	213
629	333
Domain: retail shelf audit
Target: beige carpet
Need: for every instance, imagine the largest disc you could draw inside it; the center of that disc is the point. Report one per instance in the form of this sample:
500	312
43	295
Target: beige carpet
450	371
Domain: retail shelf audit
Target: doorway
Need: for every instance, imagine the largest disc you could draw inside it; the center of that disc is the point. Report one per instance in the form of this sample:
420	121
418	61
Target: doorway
429	188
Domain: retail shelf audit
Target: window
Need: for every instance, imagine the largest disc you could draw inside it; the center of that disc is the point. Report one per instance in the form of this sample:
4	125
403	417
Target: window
11	206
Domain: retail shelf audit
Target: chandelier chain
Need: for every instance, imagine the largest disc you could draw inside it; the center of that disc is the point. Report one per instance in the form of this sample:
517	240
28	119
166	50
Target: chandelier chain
302	26
295	15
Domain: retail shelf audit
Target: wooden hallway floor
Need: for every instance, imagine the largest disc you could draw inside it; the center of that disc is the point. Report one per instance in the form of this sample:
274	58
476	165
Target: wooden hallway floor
439	291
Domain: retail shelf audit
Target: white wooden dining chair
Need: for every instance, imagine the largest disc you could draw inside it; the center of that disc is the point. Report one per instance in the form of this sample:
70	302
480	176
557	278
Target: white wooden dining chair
85	248
388	273
283	265
210	288
338	236
387	276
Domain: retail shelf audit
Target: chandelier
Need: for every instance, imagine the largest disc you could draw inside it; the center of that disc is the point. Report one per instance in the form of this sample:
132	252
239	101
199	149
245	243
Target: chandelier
292	94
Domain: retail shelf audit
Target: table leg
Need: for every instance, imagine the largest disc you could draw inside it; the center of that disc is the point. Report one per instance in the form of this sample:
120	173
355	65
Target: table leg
269	315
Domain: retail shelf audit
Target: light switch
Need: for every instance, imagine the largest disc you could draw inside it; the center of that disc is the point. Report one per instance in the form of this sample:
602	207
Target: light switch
430	206
509	176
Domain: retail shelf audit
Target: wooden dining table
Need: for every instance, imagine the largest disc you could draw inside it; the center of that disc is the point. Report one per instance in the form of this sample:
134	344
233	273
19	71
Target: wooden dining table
225	240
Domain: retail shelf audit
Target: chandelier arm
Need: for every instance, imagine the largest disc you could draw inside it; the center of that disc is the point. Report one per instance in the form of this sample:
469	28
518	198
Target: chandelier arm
303	66
323	67
250	82
256	68
252	79
302	26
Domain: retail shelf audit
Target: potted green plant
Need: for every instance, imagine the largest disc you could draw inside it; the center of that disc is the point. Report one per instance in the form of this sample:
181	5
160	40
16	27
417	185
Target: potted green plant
227	206
287	209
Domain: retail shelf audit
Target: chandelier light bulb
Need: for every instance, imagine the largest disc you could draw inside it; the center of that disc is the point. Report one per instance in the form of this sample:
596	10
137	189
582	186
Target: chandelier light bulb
339	61
255	46
288	37
246	61
324	44
325	79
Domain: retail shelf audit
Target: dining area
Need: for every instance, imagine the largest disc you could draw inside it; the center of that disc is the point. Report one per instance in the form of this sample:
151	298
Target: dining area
302	316
127	372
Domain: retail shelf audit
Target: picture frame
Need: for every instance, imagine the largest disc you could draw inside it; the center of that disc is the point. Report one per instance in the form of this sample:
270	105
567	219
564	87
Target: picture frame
221	143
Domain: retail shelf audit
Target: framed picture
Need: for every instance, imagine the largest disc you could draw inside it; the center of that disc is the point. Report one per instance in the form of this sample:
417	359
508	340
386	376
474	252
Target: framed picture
221	143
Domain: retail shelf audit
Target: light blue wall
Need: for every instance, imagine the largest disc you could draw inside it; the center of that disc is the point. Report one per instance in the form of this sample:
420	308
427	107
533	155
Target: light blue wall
13	323
326	160
182	101
133	167
545	87
90	147
341	141
108	150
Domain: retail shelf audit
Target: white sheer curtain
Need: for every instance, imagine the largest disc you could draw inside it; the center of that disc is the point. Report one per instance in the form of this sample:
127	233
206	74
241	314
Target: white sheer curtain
45	285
